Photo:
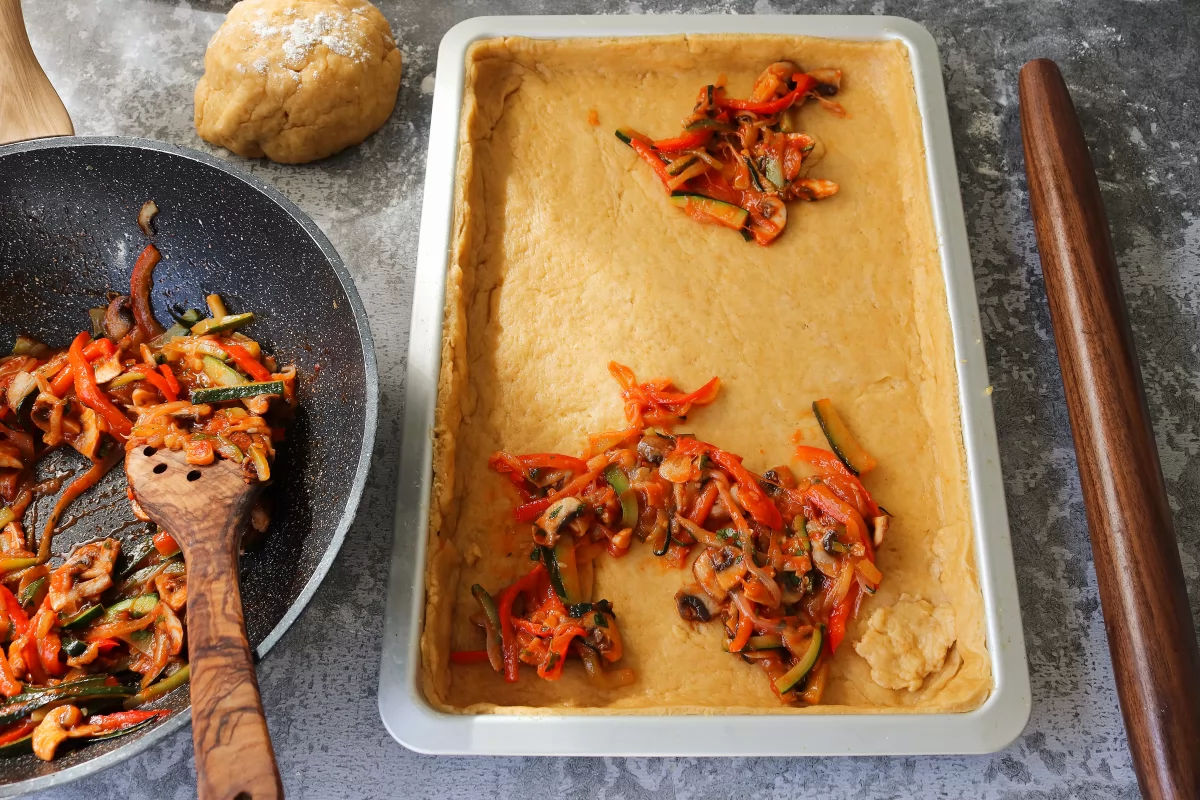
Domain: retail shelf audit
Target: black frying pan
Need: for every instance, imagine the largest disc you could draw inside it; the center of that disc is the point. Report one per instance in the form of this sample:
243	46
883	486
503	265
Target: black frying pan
68	234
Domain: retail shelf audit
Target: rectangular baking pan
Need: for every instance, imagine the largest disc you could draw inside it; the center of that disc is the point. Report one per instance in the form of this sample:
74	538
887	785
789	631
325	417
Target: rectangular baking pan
402	704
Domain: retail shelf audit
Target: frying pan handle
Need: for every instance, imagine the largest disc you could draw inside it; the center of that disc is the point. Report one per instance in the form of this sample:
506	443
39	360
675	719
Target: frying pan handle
29	106
1146	616
234	757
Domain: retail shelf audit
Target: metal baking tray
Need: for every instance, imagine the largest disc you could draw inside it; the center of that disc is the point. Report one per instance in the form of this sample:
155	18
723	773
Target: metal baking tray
402	704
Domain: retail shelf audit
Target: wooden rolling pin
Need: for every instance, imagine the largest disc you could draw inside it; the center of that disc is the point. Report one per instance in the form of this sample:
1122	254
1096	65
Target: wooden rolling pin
1146	616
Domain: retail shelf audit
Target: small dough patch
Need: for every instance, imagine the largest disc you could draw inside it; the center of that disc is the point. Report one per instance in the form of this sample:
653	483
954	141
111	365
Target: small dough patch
297	80
906	642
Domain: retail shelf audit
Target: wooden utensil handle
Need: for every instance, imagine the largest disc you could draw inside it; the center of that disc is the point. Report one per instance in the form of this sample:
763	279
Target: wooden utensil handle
29	108
1146	616
234	758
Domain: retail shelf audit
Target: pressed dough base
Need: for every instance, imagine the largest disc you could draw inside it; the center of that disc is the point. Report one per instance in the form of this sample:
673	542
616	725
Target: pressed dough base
567	255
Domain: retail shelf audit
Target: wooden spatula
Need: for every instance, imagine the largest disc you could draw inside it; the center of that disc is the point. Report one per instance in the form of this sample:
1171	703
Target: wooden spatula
29	106
205	509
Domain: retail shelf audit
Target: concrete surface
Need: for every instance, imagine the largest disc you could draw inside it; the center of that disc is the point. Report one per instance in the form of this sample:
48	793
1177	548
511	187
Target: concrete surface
130	66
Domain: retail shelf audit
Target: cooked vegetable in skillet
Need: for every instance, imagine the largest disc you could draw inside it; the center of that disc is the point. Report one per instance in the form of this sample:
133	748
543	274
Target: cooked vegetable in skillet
105	628
782	562
737	161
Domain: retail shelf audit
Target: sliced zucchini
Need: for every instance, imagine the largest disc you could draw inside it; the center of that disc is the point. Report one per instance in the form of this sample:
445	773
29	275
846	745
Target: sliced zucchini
29	593
28	346
221	374
73	647
772	169
173	681
229	322
142	640
222	393
767	642
796	675
127	378
31	700
81	618
627	135
568	571
13	564
680	164
138	606
620	484
844	445
722	213
131	557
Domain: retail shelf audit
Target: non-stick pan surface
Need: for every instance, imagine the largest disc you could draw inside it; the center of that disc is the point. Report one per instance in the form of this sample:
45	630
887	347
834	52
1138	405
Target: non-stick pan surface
68	234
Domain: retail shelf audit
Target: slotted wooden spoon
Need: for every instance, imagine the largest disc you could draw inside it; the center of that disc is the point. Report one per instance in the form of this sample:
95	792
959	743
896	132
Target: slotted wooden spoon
206	509
29	106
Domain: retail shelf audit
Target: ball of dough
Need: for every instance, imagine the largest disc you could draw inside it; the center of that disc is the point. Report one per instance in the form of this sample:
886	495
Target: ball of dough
297	80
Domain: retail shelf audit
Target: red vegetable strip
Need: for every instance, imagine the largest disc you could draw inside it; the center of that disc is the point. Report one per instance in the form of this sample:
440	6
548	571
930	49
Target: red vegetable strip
65	378
844	481
745	630
551	669
701	397
530	511
804	85
17	731
704	504
750	493
159	382
90	395
840	615
172	382
241	356
650	157
9	685
468	656
108	723
687	141
139	292
553	461
504	606
821	497
165	544
12	608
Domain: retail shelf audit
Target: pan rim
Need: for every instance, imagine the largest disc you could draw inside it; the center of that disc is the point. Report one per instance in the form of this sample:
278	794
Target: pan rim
362	469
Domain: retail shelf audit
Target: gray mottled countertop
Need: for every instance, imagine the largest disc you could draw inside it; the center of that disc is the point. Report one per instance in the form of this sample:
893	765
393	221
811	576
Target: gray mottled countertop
129	67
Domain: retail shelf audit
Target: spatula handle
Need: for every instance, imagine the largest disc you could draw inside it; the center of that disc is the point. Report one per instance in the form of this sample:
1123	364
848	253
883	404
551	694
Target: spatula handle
1146	616
234	758
29	107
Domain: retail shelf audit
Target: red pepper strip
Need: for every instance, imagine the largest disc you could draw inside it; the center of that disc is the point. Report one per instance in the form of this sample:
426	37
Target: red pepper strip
504	605
553	461
505	464
530	511
533	628
745	629
106	644
650	157
139	292
804	85
65	378
49	647
750	494
844	480
824	499
165	544
17	731
165	369
839	617
241	356
468	656
160	383
551	669
90	395
14	611
701	397
108	723
688	141
9	685
704	504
